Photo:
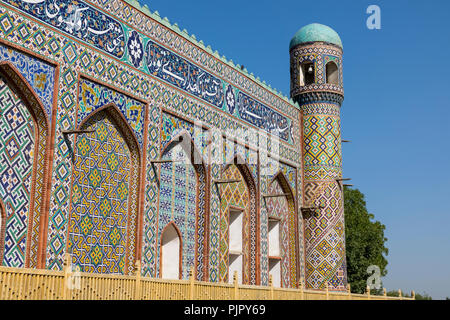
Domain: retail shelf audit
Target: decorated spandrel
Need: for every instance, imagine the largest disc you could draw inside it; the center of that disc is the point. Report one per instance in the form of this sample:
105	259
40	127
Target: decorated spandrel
79	20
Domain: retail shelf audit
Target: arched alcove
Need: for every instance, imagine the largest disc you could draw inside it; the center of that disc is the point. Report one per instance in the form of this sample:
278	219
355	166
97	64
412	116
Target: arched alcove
236	199
24	138
332	72
282	233
171	253
182	180
307	73
105	194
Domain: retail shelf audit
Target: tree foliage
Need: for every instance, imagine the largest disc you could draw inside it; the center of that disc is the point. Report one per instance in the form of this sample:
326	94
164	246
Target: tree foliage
418	296
365	241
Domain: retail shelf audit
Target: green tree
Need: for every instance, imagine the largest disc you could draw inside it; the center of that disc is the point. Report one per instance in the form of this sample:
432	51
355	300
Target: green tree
365	241
418	296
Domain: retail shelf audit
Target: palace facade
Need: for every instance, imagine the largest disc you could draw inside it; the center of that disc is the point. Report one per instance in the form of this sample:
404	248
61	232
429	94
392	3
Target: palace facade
125	139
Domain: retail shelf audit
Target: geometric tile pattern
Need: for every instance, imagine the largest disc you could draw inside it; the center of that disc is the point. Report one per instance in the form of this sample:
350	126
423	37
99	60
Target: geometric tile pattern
98	29
178	203
35	79
149	238
322	141
40	75
108	35
17	147
78	58
241	195
15	80
190	176
325	240
283	208
319	55
94	96
323	230
98	225
322	162
235	195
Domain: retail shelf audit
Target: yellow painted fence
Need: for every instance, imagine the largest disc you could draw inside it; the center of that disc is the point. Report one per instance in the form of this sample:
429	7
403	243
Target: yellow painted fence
33	284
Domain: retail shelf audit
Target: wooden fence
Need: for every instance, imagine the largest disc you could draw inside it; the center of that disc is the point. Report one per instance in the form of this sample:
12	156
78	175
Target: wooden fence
34	284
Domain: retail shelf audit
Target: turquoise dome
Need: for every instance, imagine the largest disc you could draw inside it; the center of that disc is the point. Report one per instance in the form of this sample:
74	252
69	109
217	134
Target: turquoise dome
315	32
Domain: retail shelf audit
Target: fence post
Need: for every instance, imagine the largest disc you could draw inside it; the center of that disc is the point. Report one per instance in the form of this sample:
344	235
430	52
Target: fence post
400	294
368	292
236	287
385	293
271	286
413	295
327	293
67	275
191	280
302	294
137	292
349	291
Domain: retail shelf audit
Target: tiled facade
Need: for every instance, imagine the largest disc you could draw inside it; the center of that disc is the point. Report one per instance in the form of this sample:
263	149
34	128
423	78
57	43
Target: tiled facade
100	90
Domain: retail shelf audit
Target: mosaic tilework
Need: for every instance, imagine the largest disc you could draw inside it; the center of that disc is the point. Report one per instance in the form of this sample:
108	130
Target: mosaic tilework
33	104
214	227
209	62
174	126
78	19
93	96
73	57
183	74
81	20
320	55
283	208
236	195
149	241
178	203
40	75
325	239
190	176
323	228
322	141
17	146
99	223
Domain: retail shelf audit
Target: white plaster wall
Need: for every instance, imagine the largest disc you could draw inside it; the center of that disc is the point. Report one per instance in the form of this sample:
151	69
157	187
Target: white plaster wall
275	271
332	73
170	260
235	231
274	238
235	264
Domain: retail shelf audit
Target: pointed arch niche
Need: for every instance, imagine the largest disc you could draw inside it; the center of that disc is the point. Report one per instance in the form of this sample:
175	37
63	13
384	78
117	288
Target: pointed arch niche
24	134
282	231
171	252
105	194
332	73
182	193
238	208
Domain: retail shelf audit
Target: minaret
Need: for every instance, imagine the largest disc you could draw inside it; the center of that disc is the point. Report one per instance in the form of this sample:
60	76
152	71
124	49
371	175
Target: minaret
316	84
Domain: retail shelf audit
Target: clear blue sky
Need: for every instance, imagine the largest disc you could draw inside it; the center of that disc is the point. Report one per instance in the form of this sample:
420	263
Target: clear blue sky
396	110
